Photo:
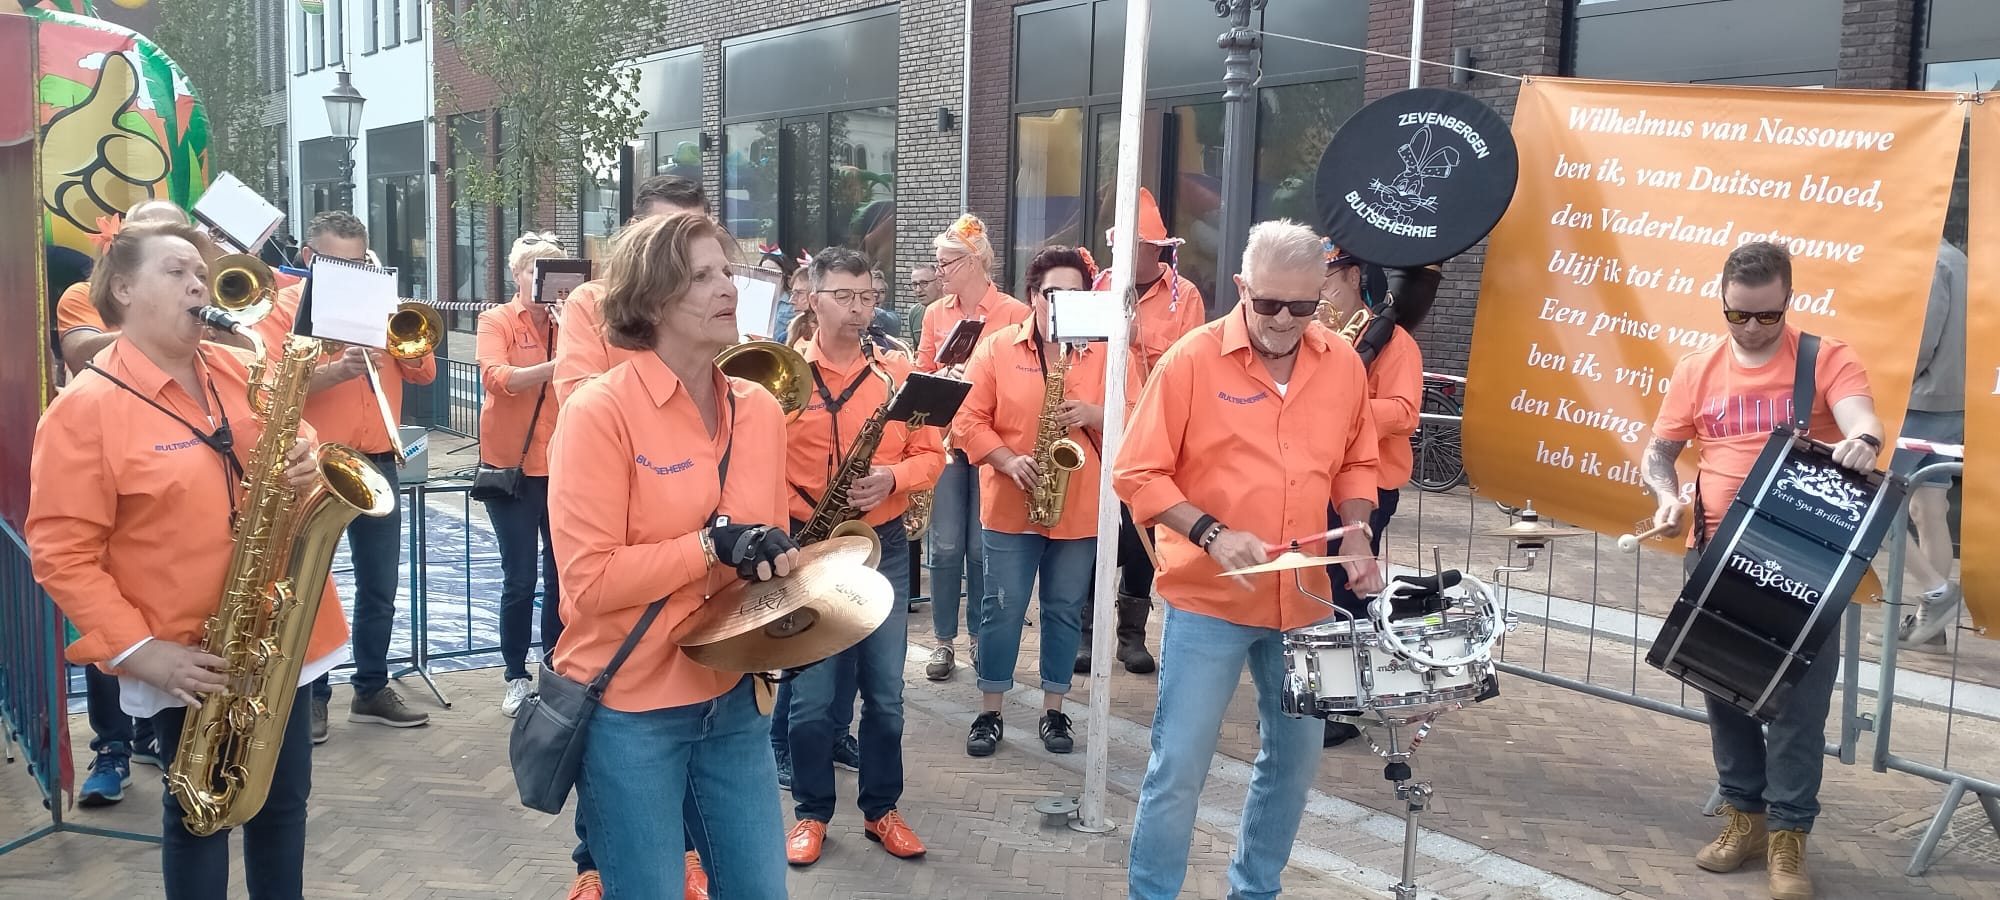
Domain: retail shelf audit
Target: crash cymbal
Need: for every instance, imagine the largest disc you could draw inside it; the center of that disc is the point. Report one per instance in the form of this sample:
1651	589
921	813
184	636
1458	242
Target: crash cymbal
832	600
1294	560
1530	529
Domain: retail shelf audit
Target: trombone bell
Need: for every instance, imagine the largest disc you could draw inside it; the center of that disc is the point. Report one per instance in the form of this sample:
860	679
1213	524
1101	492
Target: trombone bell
415	330
774	366
243	286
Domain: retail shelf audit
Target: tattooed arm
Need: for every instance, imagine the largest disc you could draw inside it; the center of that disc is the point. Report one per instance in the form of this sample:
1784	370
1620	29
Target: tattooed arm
1663	481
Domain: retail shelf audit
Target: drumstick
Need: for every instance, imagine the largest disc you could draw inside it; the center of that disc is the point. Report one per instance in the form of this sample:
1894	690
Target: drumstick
1630	542
1297	542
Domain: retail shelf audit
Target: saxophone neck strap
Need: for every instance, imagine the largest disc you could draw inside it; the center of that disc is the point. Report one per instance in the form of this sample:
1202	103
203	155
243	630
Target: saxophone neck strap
222	440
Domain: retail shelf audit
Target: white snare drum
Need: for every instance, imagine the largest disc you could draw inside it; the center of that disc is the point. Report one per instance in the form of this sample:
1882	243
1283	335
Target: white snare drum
1418	666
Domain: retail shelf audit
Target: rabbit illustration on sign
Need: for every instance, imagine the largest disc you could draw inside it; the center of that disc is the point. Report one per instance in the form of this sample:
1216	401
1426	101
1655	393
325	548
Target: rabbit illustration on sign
1405	193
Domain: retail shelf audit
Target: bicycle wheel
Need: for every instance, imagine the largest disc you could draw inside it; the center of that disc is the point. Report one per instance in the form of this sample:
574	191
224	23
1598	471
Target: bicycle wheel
1439	465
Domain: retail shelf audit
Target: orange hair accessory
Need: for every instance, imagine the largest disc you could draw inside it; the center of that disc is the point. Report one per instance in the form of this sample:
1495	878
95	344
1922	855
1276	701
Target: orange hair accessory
1089	264
107	228
967	229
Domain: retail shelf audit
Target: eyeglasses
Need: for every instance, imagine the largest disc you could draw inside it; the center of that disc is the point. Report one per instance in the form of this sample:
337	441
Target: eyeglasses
921	283
1738	317
1300	309
846	297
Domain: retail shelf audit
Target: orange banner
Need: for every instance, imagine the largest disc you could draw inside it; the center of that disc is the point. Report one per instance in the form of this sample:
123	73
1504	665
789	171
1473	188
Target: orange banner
1607	268
1980	512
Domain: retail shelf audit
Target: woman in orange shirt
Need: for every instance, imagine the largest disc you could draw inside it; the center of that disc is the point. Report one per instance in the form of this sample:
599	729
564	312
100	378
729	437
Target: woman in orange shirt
516	363
663	477
133	488
997	426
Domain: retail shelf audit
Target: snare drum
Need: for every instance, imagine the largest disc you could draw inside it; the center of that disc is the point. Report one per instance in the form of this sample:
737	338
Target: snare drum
1347	668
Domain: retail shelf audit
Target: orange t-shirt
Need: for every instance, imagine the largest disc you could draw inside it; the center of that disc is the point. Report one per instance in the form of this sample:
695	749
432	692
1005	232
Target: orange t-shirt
1214	430
915	455
74	310
632	481
998	309
509	339
1171	307
346	413
1395	397
128	514
1731	409
582	353
1004	409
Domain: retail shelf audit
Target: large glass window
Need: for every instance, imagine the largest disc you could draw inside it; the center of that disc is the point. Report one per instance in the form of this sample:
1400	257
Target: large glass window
861	184
1294	124
750	184
319	176
396	204
471	227
1048	181
1776	42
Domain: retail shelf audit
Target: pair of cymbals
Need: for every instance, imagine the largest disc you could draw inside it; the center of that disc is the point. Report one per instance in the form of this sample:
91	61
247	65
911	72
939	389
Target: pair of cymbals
1293	559
1533	529
832	599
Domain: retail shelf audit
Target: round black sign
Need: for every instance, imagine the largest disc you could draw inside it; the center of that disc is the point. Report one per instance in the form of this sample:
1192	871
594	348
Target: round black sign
1416	177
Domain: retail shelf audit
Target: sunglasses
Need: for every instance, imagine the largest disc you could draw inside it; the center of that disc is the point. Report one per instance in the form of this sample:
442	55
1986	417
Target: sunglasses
1300	309
1738	317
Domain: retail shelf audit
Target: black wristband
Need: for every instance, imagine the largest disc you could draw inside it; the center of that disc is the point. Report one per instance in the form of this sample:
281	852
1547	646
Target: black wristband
1200	528
1869	439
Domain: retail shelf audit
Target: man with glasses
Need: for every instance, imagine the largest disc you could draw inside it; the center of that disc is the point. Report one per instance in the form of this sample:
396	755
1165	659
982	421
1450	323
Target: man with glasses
924	290
1247	430
1730	396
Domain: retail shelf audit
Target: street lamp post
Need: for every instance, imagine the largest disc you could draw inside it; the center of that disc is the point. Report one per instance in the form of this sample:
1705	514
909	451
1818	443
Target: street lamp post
343	117
1239	77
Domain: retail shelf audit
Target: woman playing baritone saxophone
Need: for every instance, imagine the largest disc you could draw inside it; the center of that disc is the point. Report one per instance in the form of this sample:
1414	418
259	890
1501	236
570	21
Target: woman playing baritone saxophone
643	507
133	485
997	427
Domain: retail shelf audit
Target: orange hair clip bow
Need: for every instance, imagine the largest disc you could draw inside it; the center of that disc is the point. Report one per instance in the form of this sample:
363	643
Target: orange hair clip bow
107	228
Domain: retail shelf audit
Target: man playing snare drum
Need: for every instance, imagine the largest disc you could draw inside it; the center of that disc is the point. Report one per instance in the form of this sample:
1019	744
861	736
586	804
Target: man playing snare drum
1730	396
1249	427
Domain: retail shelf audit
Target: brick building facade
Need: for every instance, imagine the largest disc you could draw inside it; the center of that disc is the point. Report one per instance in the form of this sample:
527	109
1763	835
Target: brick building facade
1883	44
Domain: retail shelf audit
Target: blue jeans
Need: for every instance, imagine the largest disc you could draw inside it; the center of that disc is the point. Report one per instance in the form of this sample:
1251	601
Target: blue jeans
1778	771
957	549
845	690
517	523
652	780
274	840
110	725
376	548
1065	568
877	664
1208	656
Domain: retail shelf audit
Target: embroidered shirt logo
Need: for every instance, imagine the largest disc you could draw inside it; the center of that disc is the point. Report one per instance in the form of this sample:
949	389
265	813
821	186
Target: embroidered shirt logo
670	469
1242	401
177	445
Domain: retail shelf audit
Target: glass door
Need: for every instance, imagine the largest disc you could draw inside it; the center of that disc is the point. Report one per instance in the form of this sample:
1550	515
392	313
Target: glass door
802	185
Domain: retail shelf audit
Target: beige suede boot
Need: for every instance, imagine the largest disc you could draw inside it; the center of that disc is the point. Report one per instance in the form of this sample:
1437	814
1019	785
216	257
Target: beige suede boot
1787	864
1742	838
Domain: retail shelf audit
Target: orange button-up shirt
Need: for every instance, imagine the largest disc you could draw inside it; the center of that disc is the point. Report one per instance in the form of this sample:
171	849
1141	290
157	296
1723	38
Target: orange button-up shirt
1212	429
915	455
998	309
1395	397
1171	307
632	481
1004	409
74	310
509	339
128	514
582	352
346	413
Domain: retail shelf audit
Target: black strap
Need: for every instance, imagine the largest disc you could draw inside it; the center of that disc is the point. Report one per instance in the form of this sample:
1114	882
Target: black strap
1805	382
1041	359
222	440
603	679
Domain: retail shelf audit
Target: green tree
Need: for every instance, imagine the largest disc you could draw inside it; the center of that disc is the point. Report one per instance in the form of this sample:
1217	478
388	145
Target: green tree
563	96
217	48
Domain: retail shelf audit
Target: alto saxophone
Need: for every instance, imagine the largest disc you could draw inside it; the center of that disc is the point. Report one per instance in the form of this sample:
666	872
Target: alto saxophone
1055	455
284	542
833	515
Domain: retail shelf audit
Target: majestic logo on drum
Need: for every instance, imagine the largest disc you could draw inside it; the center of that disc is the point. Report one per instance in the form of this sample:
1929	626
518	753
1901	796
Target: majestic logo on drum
1404	194
1769	575
1844	502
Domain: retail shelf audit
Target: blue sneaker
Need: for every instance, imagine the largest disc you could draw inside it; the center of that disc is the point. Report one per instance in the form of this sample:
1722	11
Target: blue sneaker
110	774
147	753
785	771
847	753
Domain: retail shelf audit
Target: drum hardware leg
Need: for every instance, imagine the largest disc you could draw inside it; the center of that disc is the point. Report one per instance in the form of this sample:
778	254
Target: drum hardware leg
1415	795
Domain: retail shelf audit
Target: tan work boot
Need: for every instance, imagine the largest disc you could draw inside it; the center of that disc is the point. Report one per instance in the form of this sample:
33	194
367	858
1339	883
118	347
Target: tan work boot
1742	838
1787	864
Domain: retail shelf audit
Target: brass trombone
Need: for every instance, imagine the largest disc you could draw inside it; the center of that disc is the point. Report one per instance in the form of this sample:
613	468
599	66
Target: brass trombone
243	286
777	368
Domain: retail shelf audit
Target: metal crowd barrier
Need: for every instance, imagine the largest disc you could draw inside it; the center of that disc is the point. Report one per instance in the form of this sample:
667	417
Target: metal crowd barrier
463	392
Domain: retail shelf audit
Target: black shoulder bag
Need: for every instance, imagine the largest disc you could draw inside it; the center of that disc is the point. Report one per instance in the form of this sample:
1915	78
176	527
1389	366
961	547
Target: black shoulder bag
492	483
1805	392
545	747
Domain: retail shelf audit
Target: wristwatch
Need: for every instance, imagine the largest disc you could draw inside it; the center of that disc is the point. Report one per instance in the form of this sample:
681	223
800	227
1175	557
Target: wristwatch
1869	439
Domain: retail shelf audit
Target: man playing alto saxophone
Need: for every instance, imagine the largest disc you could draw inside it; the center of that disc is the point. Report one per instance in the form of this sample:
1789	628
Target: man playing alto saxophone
828	459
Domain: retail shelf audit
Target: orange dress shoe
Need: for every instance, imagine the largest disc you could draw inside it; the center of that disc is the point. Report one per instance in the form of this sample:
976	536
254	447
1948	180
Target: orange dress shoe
802	846
896	836
697	880
586	887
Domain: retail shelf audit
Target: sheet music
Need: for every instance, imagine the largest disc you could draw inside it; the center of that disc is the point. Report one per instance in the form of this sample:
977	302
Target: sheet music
756	302
1084	315
241	214
352	302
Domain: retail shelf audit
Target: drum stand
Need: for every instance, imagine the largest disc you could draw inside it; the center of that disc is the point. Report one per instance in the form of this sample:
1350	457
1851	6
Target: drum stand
1415	796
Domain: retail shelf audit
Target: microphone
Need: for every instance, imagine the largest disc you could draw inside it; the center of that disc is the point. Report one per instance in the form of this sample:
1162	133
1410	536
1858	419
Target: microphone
217	319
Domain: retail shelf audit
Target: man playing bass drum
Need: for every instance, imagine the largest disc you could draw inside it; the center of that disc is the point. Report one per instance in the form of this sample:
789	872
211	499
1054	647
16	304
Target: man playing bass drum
852	383
1730	396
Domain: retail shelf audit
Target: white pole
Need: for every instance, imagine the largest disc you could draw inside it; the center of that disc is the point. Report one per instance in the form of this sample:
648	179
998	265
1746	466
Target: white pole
965	120
1124	256
1416	42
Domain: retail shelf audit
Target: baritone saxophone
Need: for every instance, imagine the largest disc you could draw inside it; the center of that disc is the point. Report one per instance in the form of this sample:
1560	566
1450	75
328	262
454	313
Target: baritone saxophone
283	547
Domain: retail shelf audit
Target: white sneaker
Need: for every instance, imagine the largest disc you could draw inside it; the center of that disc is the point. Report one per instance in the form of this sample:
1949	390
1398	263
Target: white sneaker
518	690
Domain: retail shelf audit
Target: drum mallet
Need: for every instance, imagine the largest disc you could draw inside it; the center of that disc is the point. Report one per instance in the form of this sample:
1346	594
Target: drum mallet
1630	542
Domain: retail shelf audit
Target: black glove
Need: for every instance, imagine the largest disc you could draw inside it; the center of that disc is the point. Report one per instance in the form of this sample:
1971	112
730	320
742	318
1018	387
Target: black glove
744	546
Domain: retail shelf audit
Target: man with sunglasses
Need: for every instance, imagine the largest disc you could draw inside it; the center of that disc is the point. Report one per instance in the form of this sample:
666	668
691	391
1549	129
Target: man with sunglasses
1730	396
1247	430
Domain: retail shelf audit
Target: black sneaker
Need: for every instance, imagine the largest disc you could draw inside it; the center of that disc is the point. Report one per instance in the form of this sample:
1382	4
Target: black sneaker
1338	733
847	753
785	771
1056	736
385	707
985	736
